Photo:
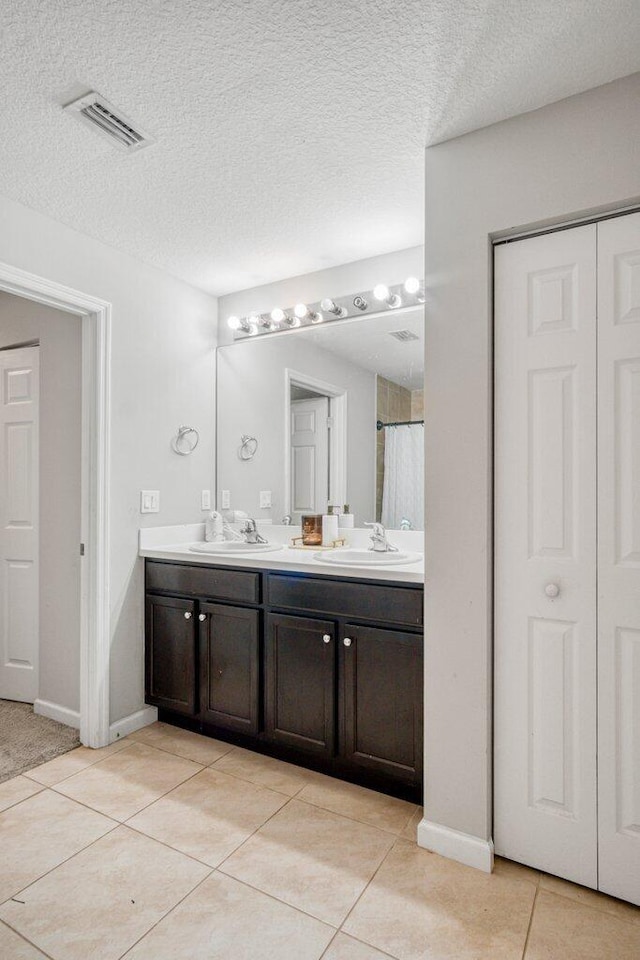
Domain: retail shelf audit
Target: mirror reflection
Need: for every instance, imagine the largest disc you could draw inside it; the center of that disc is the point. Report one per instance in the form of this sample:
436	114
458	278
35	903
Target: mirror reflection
326	415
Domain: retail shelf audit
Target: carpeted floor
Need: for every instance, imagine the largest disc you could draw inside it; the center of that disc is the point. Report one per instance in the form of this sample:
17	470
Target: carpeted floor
26	740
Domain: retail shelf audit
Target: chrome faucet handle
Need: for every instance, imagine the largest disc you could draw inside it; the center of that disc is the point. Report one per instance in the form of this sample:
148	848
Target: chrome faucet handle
286	520
379	539
250	530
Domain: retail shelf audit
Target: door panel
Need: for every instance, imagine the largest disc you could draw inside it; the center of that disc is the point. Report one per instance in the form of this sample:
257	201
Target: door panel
299	682
229	666
309	455
381	701
619	556
19	543
545	553
170	650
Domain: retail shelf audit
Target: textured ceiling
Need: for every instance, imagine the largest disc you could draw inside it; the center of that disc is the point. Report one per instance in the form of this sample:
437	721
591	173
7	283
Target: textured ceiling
290	134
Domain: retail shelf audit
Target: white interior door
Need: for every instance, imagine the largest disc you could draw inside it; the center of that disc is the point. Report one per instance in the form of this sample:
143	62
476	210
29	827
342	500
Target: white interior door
19	546
619	556
310	455
545	553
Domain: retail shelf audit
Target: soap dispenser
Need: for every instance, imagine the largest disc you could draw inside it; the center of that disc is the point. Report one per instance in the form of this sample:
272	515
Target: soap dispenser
329	527
346	519
213	528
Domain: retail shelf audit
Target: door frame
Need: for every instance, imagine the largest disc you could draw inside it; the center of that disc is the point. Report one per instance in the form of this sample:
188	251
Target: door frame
95	449
337	437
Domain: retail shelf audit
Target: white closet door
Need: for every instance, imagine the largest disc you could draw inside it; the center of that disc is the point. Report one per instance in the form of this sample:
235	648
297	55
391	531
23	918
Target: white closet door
19	544
619	556
545	553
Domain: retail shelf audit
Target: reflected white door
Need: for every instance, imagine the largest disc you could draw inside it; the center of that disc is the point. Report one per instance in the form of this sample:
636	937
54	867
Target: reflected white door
545	553
619	556
310	455
19	416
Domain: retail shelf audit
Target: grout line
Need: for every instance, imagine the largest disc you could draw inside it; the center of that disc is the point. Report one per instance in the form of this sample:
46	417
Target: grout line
533	910
22	799
26	940
596	906
366	887
94	763
272	896
165	915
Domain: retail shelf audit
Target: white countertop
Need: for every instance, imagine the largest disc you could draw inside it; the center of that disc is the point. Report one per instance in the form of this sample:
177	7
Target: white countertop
172	543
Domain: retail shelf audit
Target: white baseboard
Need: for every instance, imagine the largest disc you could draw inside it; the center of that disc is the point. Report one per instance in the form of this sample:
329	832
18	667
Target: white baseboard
472	851
71	718
135	721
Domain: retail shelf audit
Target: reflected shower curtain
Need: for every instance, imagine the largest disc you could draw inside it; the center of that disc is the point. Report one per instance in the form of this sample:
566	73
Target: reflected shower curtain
402	491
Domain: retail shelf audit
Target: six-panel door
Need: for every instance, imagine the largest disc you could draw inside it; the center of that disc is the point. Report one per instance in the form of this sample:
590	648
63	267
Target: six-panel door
229	666
170	653
381	701
300	682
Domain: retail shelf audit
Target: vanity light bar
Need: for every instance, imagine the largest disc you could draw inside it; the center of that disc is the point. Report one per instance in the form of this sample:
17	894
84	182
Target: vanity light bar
407	294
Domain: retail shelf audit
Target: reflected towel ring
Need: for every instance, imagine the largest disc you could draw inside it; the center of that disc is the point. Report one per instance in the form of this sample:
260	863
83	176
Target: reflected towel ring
248	447
181	443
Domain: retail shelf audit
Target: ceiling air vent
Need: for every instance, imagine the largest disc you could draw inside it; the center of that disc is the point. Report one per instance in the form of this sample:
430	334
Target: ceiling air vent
403	335
107	120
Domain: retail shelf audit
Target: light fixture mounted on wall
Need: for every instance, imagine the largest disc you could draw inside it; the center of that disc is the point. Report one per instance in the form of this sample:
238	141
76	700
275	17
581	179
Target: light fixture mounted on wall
407	294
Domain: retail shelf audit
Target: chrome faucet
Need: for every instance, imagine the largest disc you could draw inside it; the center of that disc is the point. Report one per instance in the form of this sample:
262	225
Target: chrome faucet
250	531
379	539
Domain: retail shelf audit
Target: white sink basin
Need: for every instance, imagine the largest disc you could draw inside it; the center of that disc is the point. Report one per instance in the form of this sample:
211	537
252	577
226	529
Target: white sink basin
234	546
365	558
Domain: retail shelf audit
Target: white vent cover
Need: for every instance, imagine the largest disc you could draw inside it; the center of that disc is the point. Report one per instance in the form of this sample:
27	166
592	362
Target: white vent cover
403	335
110	122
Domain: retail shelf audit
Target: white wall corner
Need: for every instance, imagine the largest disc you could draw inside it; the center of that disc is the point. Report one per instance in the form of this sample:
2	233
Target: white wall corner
54	711
135	721
472	851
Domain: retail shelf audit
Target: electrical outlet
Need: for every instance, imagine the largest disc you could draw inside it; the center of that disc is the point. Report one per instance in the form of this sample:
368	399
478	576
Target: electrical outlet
205	500
265	499
226	500
149	501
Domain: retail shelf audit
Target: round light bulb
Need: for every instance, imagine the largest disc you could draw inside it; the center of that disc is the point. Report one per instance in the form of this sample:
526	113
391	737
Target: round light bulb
277	315
300	310
234	323
328	305
381	292
412	285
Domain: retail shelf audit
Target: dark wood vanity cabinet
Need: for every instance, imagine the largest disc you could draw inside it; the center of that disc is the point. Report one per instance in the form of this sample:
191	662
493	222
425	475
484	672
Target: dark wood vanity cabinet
381	696
228	641
300	681
320	671
170	654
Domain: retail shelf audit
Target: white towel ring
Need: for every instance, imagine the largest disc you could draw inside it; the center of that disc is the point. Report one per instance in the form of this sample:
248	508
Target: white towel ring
248	447
185	441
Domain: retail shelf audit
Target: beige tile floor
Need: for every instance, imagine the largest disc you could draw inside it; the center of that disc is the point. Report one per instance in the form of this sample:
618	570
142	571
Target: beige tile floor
171	846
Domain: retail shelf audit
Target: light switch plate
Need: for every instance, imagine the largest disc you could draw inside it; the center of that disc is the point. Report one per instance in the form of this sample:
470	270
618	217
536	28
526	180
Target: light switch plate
149	501
205	500
265	499
226	500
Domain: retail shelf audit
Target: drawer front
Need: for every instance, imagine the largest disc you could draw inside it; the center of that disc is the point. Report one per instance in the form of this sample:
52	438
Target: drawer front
365	601
215	583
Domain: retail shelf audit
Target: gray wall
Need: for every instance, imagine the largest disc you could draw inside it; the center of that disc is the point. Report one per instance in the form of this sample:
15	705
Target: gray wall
251	400
581	155
163	338
60	338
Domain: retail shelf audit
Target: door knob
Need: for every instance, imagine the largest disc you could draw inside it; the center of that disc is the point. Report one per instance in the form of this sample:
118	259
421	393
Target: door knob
188	615
327	638
202	617
552	590
347	641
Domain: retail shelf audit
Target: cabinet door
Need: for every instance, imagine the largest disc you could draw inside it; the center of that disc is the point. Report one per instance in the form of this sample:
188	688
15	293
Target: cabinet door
381	701
229	665
170	654
300	683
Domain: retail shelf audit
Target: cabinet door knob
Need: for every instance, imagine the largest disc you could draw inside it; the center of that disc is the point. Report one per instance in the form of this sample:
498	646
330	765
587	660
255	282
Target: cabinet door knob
552	590
188	615
327	638
202	617
347	641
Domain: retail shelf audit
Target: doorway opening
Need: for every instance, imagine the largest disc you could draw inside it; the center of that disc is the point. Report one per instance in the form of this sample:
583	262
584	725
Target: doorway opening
315	445
93	656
